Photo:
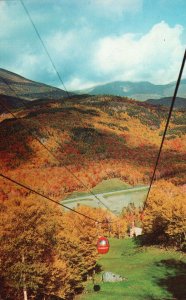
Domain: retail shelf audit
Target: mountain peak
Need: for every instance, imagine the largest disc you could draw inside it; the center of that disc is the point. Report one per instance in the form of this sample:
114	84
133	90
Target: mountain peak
12	84
140	90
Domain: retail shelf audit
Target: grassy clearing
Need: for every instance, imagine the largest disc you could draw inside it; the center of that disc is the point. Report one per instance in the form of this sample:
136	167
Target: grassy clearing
113	192
109	185
152	273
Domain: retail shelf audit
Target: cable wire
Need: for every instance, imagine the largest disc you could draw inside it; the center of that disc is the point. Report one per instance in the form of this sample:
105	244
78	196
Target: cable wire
48	198
49	56
44	46
167	124
61	81
54	156
25	104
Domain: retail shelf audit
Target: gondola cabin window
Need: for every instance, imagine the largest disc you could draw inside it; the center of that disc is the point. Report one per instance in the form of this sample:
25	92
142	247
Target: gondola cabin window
103	245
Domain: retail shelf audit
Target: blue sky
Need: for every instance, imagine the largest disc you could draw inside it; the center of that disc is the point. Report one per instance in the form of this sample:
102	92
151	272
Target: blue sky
94	41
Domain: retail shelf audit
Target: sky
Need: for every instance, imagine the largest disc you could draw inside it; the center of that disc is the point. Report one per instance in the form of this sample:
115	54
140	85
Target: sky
94	41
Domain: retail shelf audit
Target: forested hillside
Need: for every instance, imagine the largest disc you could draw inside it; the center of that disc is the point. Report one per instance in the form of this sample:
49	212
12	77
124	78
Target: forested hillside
94	138
61	146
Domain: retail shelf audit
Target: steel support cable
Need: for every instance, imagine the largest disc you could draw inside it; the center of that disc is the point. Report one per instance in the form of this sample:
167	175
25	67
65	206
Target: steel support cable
53	155
54	67
25	104
166	126
48	198
22	185
44	46
52	200
48	54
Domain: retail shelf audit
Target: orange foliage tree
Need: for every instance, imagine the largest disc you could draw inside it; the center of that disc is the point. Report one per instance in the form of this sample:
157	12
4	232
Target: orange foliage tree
164	218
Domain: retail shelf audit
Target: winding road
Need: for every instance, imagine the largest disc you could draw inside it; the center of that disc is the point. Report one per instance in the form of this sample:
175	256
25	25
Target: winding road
115	200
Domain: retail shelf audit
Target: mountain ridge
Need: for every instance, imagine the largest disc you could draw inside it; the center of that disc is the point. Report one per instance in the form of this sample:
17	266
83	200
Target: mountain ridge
180	102
142	90
15	85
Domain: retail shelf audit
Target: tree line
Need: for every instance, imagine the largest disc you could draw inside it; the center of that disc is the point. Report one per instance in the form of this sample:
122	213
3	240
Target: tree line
47	252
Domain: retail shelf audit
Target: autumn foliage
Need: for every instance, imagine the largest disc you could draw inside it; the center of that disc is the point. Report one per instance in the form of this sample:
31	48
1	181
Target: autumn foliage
95	138
48	251
164	217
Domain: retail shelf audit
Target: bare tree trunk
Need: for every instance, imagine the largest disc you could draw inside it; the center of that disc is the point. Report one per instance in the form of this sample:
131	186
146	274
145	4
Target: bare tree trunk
25	293
93	276
24	285
119	231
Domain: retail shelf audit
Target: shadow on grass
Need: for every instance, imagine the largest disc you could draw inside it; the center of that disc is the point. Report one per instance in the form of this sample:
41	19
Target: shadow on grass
98	268
175	280
96	288
151	239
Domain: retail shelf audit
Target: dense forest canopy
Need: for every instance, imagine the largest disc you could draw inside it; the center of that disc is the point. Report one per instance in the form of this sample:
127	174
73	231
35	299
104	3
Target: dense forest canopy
61	146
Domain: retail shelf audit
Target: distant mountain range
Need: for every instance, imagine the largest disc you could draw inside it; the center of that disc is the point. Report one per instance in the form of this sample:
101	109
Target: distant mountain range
141	91
14	85
179	103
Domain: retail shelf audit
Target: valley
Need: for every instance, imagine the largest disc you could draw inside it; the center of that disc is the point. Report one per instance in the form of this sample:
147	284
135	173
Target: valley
90	139
66	150
114	200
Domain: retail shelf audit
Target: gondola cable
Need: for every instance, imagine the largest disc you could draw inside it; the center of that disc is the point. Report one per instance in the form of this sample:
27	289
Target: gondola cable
46	50
102	243
164	134
44	46
53	155
47	198
166	126
55	69
163	138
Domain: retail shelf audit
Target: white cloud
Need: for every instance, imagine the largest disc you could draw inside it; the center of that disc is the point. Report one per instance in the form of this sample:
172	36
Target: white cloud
28	61
62	43
77	83
155	56
11	18
70	42
81	57
5	20
2	7
33	66
110	7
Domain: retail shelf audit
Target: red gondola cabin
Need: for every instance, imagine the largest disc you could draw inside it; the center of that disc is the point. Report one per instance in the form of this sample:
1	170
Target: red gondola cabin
103	245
